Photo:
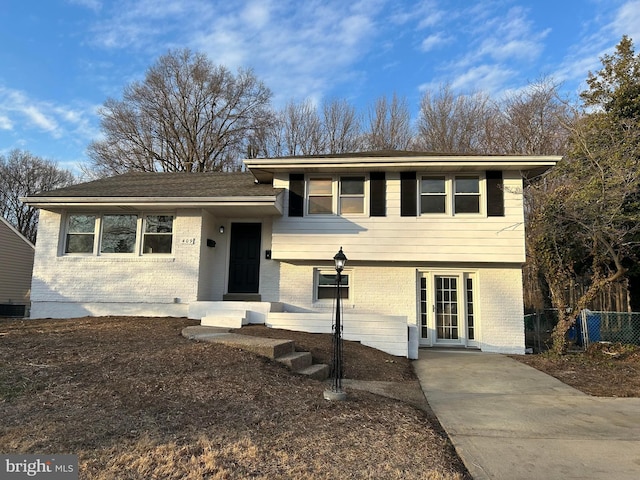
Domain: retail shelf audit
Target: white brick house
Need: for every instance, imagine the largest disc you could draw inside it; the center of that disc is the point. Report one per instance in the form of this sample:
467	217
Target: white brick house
434	242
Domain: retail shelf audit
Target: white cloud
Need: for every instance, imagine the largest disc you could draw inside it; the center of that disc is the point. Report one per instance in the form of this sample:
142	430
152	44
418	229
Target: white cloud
424	14
300	51
5	123
433	41
627	21
19	112
257	14
39	118
510	37
486	78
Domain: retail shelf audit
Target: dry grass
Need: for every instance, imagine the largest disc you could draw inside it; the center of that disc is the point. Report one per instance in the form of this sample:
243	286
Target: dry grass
604	370
135	400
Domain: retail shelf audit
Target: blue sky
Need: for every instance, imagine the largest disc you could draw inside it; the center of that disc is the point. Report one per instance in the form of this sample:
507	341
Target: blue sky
61	59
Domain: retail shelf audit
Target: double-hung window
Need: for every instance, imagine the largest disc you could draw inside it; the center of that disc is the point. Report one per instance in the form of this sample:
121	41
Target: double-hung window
347	195
441	194
320	197
326	285
433	195
351	195
466	194
158	234
80	234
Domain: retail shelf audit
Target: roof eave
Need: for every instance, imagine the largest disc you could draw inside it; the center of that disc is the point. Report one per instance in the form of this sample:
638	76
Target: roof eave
187	202
263	169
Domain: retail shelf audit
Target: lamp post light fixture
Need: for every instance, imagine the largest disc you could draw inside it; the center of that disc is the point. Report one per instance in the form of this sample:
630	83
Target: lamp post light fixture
336	392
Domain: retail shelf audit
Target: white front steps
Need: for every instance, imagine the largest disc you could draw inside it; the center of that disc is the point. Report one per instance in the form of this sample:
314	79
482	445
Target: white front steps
225	318
228	313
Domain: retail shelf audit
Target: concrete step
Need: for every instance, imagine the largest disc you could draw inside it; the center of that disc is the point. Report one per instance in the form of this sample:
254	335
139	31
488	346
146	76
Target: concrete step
296	360
317	371
225	318
267	347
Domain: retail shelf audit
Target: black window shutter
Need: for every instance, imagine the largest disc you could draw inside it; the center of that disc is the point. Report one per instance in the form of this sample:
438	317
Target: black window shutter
495	194
378	194
296	194
408	194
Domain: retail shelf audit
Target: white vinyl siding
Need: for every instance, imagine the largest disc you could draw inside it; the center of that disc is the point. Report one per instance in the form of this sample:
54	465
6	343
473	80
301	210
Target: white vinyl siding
437	238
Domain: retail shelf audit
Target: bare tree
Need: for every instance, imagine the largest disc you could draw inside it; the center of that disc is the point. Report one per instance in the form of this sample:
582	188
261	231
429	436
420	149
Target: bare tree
532	122
342	127
187	115
23	174
266	139
302	129
389	125
454	124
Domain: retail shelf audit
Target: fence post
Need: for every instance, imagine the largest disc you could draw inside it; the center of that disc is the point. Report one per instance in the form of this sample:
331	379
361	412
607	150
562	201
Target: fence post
585	328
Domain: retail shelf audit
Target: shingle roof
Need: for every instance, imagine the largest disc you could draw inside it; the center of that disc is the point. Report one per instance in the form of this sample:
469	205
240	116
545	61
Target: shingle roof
167	185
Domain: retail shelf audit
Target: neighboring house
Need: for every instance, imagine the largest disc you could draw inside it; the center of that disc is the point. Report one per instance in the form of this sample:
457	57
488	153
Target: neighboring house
16	264
434	243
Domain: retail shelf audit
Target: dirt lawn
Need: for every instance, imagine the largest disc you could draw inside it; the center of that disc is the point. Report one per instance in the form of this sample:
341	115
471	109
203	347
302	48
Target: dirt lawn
604	370
135	400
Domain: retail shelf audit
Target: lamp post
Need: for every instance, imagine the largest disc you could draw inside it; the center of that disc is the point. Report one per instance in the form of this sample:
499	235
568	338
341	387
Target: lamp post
336	392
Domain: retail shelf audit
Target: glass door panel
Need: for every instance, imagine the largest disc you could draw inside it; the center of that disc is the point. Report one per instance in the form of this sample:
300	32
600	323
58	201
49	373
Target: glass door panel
424	311
446	309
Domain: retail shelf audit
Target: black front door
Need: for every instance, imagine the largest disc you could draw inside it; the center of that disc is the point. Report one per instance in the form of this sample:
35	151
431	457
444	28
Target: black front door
244	262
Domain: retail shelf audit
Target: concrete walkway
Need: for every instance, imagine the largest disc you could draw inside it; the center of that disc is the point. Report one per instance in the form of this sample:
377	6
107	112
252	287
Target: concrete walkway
510	421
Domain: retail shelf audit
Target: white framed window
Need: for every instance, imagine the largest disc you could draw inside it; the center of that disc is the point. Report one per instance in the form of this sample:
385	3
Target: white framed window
339	195
466	196
433	194
320	196
113	233
80	237
325	283
157	234
352	198
118	233
451	194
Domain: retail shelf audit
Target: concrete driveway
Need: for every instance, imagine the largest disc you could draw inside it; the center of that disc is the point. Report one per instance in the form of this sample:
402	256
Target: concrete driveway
509	421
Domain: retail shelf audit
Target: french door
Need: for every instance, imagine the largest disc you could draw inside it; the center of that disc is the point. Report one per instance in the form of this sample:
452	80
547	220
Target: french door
447	314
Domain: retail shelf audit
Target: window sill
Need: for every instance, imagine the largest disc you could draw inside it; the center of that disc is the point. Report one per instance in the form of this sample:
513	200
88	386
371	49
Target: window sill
112	258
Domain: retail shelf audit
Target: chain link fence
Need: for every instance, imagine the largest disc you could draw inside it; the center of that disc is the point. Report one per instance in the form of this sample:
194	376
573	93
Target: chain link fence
614	327
537	329
590	327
